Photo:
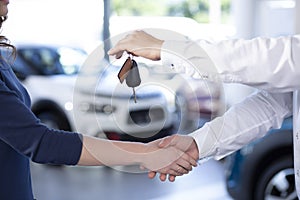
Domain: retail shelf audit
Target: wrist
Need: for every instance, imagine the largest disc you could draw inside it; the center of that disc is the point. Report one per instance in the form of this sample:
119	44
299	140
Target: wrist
145	154
196	150
158	49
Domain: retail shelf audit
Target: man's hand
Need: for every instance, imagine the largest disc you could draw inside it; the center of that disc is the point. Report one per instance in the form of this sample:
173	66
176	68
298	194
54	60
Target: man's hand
169	160
138	43
184	143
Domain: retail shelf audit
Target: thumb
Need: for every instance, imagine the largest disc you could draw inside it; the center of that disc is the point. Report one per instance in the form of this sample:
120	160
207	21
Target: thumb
167	141
142	167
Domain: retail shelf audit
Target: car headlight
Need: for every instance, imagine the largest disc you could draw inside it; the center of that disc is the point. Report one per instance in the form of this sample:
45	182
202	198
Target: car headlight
97	108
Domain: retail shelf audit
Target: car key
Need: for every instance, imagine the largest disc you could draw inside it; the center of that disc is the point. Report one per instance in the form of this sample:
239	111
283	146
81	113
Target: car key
133	78
130	72
125	69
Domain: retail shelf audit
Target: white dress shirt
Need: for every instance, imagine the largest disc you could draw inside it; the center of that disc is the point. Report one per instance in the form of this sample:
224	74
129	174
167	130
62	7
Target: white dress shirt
271	65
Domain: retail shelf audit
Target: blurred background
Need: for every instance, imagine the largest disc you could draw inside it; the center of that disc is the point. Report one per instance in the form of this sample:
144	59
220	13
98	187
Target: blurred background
55	39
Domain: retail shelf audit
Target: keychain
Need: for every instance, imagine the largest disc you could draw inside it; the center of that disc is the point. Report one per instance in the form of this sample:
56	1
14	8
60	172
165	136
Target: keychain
130	72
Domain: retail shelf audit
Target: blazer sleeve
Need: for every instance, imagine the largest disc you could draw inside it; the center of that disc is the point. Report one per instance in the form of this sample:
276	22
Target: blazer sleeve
21	130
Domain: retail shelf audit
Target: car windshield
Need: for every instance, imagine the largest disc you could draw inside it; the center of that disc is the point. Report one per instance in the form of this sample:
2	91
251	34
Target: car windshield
71	59
51	61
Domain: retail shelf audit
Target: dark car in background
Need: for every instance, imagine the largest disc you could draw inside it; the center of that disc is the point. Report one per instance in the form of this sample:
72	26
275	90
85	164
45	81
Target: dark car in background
263	170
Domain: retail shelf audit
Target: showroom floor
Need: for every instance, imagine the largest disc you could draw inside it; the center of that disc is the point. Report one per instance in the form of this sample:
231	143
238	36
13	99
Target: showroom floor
93	183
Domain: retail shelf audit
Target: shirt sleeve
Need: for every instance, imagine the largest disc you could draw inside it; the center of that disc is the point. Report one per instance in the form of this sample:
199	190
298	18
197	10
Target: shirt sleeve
242	123
23	131
270	64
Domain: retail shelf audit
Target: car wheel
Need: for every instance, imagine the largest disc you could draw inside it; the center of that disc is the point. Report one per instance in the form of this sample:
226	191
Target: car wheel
53	120
277	181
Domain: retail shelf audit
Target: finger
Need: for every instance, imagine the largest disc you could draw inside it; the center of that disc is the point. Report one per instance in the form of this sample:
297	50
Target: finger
189	159
112	51
179	170
193	162
185	165
162	177
172	178
119	54
175	170
151	174
116	51
142	167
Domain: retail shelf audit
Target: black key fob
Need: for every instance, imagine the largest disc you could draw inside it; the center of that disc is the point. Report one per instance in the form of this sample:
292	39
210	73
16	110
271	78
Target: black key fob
133	78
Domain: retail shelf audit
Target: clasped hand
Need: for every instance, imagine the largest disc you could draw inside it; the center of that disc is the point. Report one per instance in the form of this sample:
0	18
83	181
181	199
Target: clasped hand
176	156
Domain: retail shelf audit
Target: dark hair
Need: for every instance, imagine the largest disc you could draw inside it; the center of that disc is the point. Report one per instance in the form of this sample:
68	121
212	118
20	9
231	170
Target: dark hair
4	42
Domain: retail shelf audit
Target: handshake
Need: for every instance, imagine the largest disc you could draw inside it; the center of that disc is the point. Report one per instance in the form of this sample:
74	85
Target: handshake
171	156
175	155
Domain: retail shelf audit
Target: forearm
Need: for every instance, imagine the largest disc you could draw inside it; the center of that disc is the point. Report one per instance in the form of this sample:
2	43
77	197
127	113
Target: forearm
242	124
97	152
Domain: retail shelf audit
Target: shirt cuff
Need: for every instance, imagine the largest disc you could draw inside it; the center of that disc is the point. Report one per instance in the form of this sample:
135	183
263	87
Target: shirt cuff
206	142
172	56
190	58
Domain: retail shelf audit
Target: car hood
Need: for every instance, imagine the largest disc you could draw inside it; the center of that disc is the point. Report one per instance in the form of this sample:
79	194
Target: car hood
106	83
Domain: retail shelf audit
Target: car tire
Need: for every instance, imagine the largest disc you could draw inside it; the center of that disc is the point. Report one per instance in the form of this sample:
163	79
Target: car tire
54	120
276	181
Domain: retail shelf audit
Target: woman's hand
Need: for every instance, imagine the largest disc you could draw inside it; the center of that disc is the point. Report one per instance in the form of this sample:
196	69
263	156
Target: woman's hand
138	43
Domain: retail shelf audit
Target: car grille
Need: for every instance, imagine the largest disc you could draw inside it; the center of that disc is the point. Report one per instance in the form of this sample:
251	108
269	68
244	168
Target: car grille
144	117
